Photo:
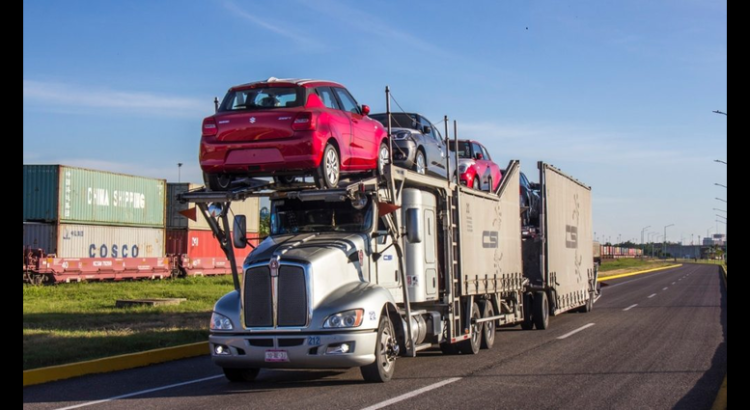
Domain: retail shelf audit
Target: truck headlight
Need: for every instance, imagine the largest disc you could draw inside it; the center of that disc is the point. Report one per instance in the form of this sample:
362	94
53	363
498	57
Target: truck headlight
220	322
350	318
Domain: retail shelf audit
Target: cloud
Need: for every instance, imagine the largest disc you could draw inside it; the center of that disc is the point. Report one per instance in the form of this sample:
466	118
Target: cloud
55	96
370	24
271	25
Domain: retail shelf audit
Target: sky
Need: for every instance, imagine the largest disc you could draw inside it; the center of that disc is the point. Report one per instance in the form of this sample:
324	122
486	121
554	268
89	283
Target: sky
618	94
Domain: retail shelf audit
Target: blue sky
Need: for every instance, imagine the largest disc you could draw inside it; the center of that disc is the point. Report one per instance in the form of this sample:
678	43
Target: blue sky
619	94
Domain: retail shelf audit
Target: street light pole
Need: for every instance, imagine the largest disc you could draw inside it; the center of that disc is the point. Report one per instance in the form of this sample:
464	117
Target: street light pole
722	200
664	249
718	184
720	161
179	172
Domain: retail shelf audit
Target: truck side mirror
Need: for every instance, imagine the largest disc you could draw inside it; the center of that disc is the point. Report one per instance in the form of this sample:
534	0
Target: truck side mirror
413	225
239	234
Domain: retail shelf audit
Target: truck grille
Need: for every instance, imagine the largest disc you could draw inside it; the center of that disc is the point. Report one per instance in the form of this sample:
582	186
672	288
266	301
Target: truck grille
258	298
292	296
292	302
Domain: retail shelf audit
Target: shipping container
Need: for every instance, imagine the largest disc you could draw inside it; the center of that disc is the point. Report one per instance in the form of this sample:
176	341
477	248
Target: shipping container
39	236
175	220
62	194
201	244
95	241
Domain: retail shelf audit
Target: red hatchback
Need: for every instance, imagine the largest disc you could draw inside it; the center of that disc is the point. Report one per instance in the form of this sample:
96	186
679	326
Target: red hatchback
475	166
290	128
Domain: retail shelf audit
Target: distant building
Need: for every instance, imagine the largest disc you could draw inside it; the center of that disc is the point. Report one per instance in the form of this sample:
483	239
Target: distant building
719	239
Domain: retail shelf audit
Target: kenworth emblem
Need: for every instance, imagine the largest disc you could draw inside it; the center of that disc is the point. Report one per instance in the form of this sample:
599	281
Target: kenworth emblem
273	266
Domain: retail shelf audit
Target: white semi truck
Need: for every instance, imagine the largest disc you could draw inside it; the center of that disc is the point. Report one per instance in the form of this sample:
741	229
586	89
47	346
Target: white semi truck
393	265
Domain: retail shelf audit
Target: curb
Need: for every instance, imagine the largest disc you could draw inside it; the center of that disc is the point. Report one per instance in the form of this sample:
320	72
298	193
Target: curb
721	402
625	275
115	363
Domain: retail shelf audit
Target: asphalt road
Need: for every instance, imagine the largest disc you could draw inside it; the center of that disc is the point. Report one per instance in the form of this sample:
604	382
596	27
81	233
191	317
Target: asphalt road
653	341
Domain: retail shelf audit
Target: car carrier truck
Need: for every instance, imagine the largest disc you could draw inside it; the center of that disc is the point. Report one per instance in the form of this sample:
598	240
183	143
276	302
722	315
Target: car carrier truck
392	265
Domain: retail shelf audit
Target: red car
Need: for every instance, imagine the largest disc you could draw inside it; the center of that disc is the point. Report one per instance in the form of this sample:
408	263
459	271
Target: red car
290	128
475	166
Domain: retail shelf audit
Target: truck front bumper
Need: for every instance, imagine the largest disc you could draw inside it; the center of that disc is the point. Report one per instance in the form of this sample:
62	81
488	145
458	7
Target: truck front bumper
309	351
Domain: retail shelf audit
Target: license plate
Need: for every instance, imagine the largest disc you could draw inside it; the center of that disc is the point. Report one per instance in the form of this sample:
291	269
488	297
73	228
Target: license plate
276	356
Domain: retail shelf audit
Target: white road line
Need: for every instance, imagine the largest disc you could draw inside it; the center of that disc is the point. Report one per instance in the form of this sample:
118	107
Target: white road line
565	336
412	394
629	307
665	288
140	393
674	283
652	296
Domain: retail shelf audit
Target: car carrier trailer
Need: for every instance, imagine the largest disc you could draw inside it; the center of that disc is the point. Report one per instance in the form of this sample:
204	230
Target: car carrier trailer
393	265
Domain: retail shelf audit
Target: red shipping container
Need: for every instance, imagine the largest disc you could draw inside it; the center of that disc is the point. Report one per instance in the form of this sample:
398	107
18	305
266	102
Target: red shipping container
200	251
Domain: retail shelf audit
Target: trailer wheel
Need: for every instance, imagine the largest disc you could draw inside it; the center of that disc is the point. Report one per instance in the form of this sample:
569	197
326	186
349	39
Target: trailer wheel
528	305
488	328
472	344
384	366
541	311
241	375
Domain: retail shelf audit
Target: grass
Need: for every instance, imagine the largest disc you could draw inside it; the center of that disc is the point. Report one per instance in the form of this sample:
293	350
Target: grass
75	322
625	265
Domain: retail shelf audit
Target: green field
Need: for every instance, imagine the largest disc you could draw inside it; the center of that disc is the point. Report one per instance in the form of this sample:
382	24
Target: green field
74	322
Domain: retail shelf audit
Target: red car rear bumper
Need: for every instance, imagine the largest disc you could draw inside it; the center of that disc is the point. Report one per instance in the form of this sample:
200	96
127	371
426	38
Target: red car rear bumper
293	155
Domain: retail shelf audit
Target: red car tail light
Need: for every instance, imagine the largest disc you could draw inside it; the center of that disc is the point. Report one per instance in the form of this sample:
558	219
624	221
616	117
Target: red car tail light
209	127
305	121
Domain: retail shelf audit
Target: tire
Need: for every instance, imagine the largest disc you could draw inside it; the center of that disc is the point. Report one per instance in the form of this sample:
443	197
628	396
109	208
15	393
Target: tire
284	180
476	184
383	157
473	344
488	328
420	163
528	317
541	311
329	171
218	182
241	375
382	369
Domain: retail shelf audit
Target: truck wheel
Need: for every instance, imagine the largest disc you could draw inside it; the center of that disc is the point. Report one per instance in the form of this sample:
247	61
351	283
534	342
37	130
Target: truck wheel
328	173
241	375
384	366
528	305
541	311
217	182
472	345
488	328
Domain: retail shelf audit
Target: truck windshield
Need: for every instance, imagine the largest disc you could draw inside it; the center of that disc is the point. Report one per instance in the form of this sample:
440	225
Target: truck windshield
293	216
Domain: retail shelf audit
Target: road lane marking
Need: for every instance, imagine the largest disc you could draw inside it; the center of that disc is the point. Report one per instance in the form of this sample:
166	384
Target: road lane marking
412	394
629	307
665	288
140	393
652	296
582	328
674	283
